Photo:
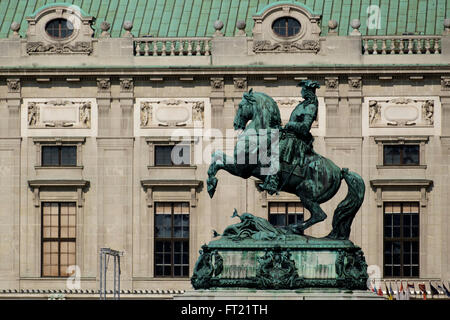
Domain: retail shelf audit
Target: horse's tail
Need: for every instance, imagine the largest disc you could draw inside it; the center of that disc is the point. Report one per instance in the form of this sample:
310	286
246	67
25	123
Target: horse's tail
347	208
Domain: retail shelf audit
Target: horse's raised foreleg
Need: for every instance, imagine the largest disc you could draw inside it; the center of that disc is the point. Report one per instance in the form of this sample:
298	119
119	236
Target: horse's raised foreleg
219	161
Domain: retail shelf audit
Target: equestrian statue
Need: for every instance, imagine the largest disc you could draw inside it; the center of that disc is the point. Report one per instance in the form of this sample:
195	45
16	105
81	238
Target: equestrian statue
294	166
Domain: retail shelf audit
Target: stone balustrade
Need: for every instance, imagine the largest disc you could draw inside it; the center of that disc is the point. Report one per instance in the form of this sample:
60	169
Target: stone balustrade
196	46
405	44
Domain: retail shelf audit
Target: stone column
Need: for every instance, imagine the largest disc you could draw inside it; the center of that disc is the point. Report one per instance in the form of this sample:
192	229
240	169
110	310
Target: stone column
217	103
104	105
13	100
355	105
126	104
332	105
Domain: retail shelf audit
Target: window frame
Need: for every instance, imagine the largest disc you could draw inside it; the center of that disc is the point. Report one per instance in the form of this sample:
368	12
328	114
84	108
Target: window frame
286	214
402	154
286	18
401	239
382	141
172	240
59	141
156	146
58	239
60	147
59	37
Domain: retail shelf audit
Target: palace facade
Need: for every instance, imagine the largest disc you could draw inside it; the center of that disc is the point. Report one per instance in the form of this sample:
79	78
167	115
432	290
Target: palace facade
95	96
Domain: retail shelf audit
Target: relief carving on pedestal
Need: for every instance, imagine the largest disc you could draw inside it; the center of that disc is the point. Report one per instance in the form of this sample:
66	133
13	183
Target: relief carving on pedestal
401	112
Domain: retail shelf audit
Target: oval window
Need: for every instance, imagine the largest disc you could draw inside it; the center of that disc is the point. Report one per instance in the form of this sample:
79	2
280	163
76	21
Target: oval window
286	27
59	28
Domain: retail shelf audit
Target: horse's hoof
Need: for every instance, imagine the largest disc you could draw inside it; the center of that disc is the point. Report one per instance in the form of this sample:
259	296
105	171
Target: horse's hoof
211	183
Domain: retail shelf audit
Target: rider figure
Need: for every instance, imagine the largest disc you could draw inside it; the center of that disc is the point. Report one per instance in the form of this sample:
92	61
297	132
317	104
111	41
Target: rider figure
296	139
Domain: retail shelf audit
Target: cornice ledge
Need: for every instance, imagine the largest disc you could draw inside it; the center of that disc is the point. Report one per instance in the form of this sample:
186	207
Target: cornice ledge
58	183
377	183
150	183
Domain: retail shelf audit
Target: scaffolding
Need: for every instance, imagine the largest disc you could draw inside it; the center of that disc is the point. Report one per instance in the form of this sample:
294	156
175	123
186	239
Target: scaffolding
105	254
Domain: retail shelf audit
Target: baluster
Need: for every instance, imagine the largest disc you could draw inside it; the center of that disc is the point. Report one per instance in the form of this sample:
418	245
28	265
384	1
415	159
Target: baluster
198	48
366	46
427	46
401	47
383	46
436	46
137	48
392	46
419	46
181	48
146	48
163	49
189	47
172	48
375	47
410	46
207	47
155	48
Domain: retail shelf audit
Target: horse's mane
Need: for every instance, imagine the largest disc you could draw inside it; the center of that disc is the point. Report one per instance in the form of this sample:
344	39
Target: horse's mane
269	109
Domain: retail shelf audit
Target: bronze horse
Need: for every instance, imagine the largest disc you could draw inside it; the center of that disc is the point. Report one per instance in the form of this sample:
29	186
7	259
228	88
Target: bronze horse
259	118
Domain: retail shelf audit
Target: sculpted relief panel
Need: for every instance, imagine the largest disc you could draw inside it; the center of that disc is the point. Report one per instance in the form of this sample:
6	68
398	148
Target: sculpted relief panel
404	115
401	112
59	113
172	113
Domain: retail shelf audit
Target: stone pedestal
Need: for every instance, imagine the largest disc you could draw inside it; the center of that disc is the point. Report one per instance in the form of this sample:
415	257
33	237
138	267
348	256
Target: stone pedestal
253	254
300	294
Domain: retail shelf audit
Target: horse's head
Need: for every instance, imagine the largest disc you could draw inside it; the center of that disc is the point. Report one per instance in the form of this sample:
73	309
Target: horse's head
244	112
258	107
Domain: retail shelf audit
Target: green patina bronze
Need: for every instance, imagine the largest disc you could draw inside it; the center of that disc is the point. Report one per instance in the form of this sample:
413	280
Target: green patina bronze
255	254
288	162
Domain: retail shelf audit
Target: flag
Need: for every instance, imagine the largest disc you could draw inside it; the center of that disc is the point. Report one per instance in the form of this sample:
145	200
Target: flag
398	295
374	288
433	290
391	292
446	290
408	292
424	290
380	293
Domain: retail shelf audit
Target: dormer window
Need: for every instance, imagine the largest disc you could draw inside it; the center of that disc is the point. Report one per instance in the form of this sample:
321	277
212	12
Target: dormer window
59	28
286	27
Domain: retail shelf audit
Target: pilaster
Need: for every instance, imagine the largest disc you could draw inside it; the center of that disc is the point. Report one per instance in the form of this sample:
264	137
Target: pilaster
332	105
126	100
217	103
355	105
104	105
13	100
445	103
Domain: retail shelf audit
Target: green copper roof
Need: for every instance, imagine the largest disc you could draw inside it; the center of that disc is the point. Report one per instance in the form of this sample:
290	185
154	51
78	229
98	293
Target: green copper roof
170	18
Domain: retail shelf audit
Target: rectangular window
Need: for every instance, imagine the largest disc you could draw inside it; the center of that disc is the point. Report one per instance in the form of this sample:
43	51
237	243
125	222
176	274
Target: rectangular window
401	155
401	239
177	155
171	239
282	214
59	156
58	238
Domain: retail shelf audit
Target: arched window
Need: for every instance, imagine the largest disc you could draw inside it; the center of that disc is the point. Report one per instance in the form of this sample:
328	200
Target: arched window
286	27
59	28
